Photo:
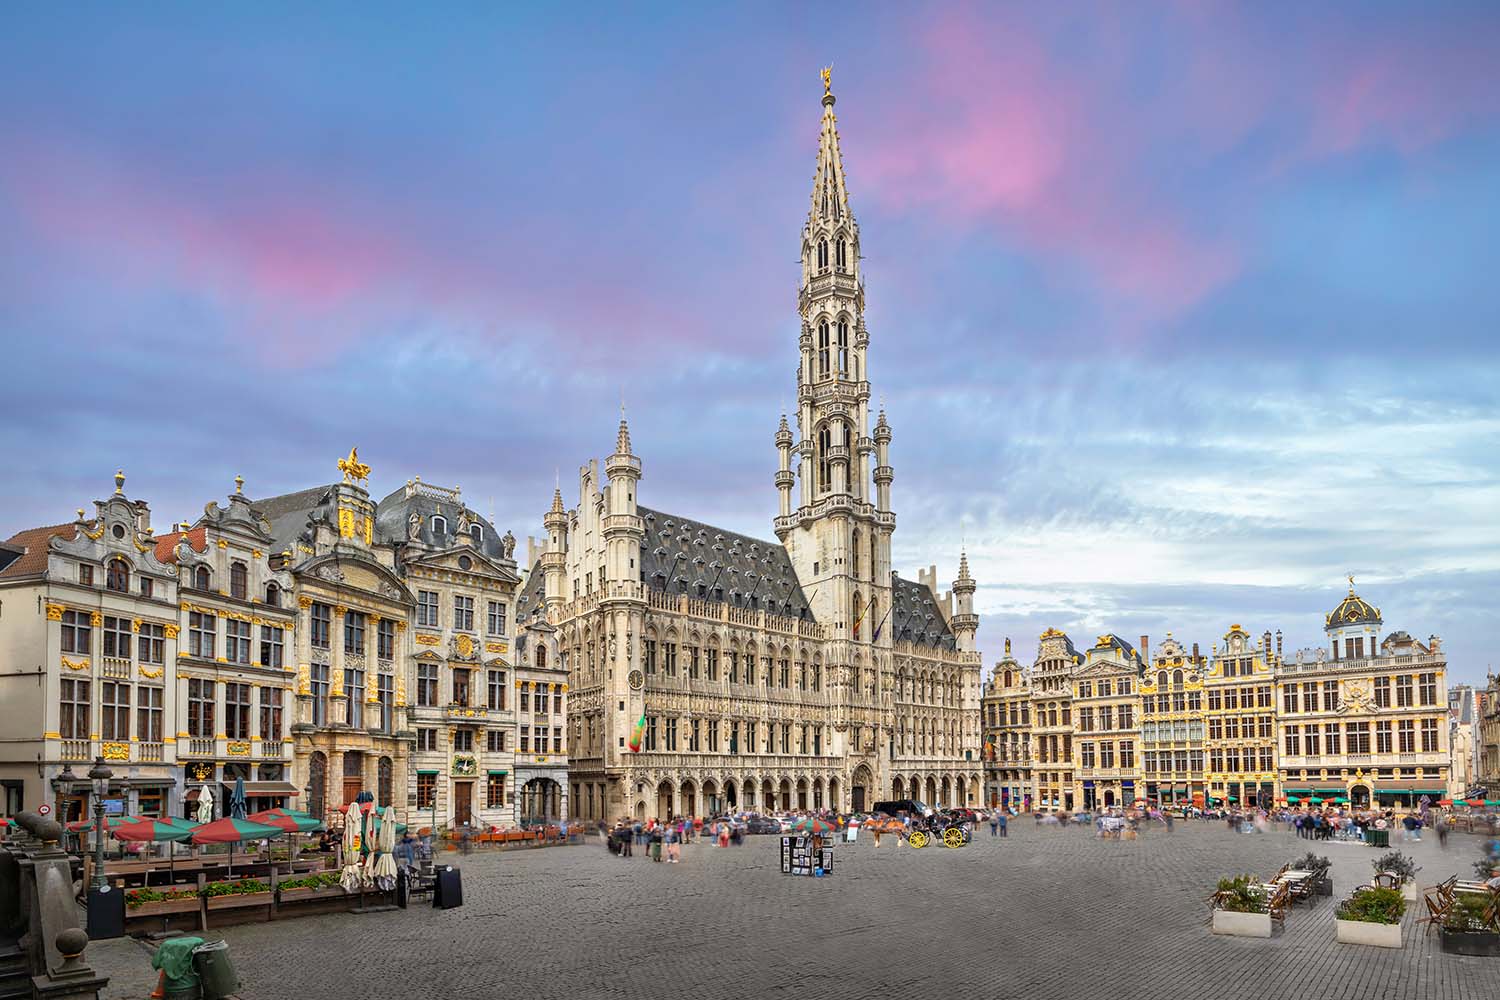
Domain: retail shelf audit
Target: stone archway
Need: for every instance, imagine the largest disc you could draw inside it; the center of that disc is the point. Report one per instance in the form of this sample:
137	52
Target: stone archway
1359	797
860	787
747	796
802	794
947	794
833	794
767	795
731	797
713	805
687	797
960	798
664	800
786	795
932	791
817	793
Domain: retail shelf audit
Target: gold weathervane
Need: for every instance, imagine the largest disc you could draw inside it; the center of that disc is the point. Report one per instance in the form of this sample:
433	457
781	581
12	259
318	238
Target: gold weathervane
352	468
827	74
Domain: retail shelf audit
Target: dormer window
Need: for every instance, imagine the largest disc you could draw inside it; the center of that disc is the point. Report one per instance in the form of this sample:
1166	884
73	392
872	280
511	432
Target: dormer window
117	576
273	595
239	580
476	532
439	525
201	578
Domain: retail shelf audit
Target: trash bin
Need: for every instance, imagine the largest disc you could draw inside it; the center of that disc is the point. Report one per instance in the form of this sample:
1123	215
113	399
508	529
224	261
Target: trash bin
1379	838
216	974
174	957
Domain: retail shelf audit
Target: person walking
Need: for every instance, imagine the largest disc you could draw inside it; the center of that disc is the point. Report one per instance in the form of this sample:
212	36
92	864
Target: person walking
1004	826
994	824
1441	825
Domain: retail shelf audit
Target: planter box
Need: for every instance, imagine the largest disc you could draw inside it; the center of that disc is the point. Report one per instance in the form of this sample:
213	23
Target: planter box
302	893
1484	944
1409	891
163	907
1325	888
235	901
1366	932
1257	925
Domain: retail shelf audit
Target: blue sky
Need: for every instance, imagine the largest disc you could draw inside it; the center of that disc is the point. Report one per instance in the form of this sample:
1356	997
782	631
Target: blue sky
1180	313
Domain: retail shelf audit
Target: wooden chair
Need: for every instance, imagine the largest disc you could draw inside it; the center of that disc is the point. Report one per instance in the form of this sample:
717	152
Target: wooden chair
1437	907
1387	880
1277	901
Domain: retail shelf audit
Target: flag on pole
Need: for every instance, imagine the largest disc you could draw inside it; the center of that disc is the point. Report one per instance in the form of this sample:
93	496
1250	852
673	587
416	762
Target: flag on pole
638	734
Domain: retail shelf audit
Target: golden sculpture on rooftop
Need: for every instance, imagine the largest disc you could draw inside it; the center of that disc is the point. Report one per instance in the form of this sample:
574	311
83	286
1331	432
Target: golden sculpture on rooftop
352	468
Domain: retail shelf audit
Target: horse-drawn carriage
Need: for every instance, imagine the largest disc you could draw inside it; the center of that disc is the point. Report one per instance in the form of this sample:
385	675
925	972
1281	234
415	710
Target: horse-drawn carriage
946	829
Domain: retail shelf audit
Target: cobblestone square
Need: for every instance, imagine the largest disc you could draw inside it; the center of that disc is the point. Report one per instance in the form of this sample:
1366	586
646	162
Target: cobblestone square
1041	911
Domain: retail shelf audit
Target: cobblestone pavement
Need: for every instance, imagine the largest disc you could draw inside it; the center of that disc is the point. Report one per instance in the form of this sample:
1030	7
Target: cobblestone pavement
1042	912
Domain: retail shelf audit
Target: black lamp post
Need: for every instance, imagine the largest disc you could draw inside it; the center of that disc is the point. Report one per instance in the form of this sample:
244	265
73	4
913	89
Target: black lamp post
61	786
99	774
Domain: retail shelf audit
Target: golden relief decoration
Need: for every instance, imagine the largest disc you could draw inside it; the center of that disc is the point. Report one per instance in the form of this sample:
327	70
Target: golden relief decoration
201	772
304	602
97	533
496	647
346	522
340	610
237	748
115	751
55	612
369	531
353	469
465	646
75	664
96	618
422	639
152	674
170	631
135	624
304	686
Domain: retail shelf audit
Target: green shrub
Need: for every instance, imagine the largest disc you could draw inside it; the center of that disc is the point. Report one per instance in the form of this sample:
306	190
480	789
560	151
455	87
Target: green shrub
1398	863
1310	862
1373	906
135	897
1467	913
1241	894
239	887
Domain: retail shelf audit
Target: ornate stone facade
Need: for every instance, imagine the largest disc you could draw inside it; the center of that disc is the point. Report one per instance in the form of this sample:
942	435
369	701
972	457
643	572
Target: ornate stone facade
1172	725
752	674
1240	713
1006	708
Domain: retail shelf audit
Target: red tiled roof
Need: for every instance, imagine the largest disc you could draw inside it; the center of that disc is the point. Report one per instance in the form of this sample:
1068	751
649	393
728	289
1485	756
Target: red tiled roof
166	545
34	542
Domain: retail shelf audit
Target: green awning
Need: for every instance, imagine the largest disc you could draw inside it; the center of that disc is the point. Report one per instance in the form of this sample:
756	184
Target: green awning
497	773
1294	798
1330	791
426	771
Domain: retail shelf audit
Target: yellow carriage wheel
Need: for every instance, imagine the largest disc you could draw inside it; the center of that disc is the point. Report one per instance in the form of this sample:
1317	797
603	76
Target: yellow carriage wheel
953	837
918	839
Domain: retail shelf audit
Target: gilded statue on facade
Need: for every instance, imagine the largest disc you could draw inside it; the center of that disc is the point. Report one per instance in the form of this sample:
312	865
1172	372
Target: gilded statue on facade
353	469
827	74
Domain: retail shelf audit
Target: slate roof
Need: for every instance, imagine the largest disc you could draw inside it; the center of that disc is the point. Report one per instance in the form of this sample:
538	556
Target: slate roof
916	616
289	512
32	545
391	516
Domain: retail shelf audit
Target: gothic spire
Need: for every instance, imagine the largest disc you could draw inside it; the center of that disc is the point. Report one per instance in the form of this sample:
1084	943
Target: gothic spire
622	440
830	198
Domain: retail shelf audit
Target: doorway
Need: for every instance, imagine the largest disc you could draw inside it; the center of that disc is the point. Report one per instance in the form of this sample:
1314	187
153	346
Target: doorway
354	771
463	802
1359	796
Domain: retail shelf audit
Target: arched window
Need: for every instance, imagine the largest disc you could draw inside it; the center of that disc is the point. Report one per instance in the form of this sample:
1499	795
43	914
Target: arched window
201	578
843	347
855	550
239	580
1161	679
476	532
843	258
117	576
273	595
1007	678
541	656
823	349
825	441
1177	678
856	617
822	254
439	525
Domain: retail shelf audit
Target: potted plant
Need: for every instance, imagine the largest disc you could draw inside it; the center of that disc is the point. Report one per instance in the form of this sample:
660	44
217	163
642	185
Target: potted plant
148	902
317	885
1398	864
1239	908
1464	930
1372	917
1319	866
238	893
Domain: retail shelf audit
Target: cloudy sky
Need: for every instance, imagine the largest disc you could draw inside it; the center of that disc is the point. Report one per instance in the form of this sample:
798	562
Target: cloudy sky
1180	313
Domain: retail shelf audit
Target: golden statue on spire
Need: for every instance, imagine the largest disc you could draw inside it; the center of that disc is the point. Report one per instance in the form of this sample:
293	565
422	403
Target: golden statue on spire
827	74
353	469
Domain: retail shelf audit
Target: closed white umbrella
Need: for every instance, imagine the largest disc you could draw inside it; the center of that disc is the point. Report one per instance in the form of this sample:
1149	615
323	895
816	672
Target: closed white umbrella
352	874
205	805
371	847
385	867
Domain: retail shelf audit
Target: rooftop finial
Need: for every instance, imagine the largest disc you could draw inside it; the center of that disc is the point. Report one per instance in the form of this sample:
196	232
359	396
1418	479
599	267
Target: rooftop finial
119	482
827	74
1351	584
353	469
239	485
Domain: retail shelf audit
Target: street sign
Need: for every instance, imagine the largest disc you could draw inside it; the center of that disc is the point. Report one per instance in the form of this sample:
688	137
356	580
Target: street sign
114	807
44	809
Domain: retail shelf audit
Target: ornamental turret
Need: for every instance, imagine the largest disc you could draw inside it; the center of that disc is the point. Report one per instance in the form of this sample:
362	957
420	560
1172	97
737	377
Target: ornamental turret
883	471
623	528
785	479
555	555
965	622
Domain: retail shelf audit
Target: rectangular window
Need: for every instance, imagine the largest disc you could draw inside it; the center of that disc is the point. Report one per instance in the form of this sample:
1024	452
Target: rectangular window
671	734
1406	736
463	613
494	741
693	662
1288	699
497	690
463	740
526	739
427	739
385	699
1335	743
427	608
750	743
114	704
152	647
525	697
1106	755
1330	696
1382	737
1313	733
1127	717
236	641
200	708
271	649
711	663
650	656
494	787
1429	735
1231	699
318	678
1215	700
354	687
1086	752
1382	692
427	685
713	735
539	701
692	735
270	714
321	617
496	618
1429	689
1403	691
237	711
385	640
670	667
651	733
148	715
148	586
86	574
1293	738
426	791
1357	737
116	639
557	746
1127	754
202	635
354	632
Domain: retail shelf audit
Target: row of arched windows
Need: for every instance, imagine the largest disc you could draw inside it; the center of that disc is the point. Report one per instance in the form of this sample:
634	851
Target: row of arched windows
840	254
833	346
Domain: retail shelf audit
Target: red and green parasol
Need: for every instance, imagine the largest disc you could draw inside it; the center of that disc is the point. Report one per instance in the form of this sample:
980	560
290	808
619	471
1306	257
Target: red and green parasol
811	824
286	820
149	829
233	831
110	822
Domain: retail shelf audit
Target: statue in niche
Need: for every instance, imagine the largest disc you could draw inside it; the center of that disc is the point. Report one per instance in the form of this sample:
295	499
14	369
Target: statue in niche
413	526
508	546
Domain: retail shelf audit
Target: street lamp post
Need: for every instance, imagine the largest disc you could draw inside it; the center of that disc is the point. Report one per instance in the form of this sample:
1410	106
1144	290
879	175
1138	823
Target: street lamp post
61	786
99	774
